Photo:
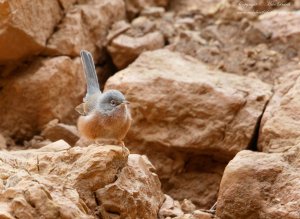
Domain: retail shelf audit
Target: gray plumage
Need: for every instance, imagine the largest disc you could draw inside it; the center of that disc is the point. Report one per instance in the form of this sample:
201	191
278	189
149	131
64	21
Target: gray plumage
90	74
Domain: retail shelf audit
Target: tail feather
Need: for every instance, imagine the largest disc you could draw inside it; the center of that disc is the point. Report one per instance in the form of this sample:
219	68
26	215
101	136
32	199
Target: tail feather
90	73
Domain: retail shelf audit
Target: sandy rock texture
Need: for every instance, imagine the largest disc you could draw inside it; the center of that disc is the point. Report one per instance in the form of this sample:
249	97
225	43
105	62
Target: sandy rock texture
280	127
45	89
24	34
55	131
189	120
85	26
261	185
125	49
189	106
133	7
281	27
135	194
58	181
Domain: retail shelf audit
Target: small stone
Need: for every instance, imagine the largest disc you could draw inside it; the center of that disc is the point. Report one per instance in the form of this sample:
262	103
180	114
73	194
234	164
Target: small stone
55	131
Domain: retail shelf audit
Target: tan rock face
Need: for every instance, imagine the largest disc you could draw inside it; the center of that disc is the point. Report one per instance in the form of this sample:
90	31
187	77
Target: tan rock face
280	128
178	102
125	49
85	27
24	33
182	112
46	89
260	185
170	208
280	27
135	194
133	7
58	181
55	131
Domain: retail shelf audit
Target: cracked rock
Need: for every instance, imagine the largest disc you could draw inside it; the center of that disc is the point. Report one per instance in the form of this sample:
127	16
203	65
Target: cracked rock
46	89
58	181
280	127
261	185
85	26
135	194
24	34
178	102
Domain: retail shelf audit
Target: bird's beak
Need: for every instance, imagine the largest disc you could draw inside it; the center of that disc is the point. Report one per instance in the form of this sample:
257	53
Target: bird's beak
125	102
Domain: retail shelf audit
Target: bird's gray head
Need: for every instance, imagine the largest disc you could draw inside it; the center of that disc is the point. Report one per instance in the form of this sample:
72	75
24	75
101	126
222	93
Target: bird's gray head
111	100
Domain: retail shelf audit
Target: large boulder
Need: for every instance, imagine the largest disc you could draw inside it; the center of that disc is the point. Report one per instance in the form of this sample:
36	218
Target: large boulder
281	28
261	185
58	181
85	26
42	91
26	27
135	194
177	102
124	49
189	120
280	126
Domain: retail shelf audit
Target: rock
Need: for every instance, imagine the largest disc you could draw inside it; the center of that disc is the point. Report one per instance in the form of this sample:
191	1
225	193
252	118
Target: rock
66	4
170	208
197	214
280	128
55	131
134	7
58	181
135	194
125	49
187	206
36	142
52	183
279	27
155	12
85	26
197	178
202	215
117	28
261	185
44	90
177	102
181	6
25	33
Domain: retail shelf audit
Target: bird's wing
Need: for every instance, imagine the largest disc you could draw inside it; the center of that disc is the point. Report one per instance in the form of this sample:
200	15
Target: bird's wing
90	73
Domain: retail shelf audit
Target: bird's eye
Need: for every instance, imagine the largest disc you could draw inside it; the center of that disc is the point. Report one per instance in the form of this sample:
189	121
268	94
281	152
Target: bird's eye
113	102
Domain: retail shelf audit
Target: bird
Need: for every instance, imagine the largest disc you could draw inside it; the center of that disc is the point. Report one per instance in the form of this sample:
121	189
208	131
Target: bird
103	116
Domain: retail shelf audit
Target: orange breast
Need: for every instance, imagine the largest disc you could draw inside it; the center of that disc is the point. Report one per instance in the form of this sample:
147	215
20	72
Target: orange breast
97	125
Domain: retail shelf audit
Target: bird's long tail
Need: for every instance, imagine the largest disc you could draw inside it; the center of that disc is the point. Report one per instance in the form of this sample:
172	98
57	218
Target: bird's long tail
90	74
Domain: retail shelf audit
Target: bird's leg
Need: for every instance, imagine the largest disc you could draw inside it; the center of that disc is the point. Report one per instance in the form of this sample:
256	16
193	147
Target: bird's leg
213	208
123	145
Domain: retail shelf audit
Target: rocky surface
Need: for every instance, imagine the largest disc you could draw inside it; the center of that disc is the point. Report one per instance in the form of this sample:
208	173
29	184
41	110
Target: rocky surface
125	49
186	112
55	131
196	103
58	181
46	89
24	34
280	123
178	102
261	185
85	26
